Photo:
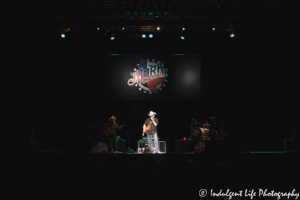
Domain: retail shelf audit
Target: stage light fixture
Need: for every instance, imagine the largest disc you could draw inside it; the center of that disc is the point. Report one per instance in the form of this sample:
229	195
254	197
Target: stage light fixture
123	28
213	29
183	28
98	28
143	35
150	36
112	37
158	28
62	35
182	37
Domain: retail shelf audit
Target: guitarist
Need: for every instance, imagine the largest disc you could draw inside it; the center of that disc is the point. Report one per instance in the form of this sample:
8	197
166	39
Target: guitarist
150	127
112	127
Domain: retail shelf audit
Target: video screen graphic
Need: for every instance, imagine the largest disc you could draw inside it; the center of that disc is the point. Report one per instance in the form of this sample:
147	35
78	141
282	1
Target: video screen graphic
149	77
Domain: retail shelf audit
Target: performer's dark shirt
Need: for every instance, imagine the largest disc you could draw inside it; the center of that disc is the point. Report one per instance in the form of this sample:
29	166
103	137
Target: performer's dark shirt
153	128
115	126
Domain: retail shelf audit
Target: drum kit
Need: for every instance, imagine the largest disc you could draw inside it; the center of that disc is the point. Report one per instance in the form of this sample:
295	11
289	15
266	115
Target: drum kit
200	132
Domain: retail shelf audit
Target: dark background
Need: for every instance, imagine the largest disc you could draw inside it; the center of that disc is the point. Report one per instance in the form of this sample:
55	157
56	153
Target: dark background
249	81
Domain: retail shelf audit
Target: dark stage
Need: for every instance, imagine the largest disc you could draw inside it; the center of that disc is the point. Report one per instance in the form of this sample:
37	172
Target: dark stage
249	89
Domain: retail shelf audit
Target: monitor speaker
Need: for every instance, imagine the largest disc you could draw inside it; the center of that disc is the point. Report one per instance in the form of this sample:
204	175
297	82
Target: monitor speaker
162	146
121	145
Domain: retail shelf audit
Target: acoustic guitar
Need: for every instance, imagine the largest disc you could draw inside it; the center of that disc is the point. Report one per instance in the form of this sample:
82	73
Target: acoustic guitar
147	129
108	129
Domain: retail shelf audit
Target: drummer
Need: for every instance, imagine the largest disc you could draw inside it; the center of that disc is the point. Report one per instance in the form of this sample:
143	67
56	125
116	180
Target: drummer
195	132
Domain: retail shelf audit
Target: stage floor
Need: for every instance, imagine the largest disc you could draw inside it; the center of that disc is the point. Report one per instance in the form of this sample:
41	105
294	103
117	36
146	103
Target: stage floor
256	152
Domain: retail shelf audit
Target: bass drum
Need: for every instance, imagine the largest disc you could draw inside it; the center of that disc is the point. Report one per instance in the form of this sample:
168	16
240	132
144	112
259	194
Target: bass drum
196	133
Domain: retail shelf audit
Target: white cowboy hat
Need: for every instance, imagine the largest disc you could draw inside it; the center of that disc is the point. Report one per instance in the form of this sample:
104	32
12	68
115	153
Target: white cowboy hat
152	113
112	118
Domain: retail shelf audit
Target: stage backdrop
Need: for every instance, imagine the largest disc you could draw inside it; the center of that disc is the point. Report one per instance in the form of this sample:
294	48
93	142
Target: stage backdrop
149	77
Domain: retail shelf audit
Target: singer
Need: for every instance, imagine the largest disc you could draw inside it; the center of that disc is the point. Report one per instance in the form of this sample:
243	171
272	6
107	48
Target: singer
150	127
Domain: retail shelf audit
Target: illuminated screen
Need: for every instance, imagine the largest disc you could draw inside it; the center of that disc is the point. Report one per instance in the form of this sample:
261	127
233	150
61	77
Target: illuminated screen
149	77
